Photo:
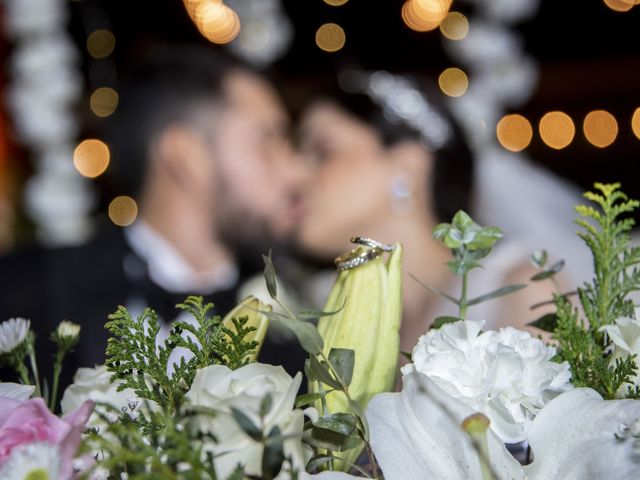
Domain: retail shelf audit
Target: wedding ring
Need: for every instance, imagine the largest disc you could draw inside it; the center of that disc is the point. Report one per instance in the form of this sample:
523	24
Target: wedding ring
356	257
370	242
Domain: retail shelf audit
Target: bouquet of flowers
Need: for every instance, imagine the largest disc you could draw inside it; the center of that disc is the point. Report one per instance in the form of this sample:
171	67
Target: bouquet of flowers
198	406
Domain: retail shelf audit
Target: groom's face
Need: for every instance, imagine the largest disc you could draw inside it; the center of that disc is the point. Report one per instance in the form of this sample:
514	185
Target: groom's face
258	178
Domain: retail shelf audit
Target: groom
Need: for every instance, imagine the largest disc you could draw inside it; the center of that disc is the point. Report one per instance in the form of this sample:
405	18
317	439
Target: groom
201	143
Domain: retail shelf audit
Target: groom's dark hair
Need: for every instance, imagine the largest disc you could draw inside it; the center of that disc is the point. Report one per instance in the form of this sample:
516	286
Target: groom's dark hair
170	84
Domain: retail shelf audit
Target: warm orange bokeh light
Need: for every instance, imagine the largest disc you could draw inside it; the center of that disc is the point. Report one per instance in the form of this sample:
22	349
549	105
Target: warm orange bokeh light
103	101
514	132
425	15
619	5
100	43
335	3
453	82
215	21
557	129
635	122
91	158
123	211
330	37
455	26
600	128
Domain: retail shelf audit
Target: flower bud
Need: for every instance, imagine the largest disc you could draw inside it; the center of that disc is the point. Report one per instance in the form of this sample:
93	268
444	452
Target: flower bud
369	300
250	308
12	333
68	330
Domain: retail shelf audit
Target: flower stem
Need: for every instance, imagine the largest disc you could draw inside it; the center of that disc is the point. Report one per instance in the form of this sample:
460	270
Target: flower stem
34	370
57	369
463	297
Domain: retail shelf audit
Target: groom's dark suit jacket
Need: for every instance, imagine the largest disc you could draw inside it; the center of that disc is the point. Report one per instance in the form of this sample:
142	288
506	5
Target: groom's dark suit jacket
84	284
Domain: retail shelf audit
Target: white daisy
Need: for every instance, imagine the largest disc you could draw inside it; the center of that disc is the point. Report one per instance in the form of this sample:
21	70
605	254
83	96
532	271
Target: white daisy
68	330
12	333
34	461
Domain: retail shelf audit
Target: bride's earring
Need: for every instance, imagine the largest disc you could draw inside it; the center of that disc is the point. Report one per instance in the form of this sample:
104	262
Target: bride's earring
401	195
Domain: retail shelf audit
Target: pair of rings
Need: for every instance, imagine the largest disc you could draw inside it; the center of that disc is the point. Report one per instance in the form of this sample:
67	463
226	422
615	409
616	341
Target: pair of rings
359	256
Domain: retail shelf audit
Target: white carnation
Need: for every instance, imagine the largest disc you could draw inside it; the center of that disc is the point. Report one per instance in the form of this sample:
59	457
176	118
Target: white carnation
625	335
508	375
93	384
219	388
12	333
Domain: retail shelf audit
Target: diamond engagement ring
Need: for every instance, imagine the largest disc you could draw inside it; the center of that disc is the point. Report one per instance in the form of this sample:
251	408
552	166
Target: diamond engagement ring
356	257
370	242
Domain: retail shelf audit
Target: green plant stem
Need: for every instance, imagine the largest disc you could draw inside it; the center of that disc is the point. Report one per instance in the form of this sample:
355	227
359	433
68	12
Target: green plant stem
463	297
23	373
57	369
34	370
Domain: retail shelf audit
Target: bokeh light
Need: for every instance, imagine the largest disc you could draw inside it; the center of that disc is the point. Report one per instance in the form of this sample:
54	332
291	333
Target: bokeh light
91	157
424	15
215	21
635	122
600	128
330	37
123	210
335	3
453	82
455	26
619	5
103	101
514	132
557	129
100	43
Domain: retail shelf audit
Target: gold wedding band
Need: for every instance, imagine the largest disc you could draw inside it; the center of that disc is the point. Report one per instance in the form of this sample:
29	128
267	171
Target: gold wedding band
356	257
370	242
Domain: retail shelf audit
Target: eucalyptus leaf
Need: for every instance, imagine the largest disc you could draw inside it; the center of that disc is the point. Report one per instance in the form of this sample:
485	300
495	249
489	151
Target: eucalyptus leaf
270	275
330	440
460	267
246	424
443	320
539	258
462	220
547	322
308	398
485	238
314	314
306	333
320	371
316	462
548	272
496	293
436	291
343	423
342	360
273	454
441	231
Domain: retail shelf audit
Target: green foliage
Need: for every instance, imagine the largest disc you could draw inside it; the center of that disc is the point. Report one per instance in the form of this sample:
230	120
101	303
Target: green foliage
134	358
582	342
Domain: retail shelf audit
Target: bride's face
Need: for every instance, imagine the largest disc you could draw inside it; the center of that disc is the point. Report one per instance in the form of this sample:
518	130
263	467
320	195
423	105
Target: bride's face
349	191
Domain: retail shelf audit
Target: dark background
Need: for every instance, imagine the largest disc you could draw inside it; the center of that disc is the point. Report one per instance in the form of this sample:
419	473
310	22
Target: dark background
588	56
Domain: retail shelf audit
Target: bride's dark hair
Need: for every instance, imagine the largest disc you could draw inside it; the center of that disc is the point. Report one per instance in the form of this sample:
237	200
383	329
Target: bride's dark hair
434	125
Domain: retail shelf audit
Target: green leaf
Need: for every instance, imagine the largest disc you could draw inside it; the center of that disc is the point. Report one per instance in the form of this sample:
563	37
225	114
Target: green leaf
433	290
315	314
548	272
342	360
273	455
270	275
440	321
320	371
306	332
496	293
547	322
309	398
539	258
407	355
316	462
344	423
462	221
460	267
485	238
246	424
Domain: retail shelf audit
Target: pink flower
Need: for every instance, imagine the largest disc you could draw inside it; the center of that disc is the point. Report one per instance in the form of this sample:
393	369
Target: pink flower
30	421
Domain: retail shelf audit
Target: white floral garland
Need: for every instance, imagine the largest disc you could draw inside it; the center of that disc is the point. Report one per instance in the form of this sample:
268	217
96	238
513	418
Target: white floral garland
45	86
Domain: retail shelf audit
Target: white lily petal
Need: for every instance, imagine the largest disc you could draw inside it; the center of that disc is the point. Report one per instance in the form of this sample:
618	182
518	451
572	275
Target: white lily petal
16	391
417	434
573	438
328	476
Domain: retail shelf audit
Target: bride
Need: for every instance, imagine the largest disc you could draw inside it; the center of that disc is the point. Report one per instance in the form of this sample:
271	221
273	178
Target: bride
390	163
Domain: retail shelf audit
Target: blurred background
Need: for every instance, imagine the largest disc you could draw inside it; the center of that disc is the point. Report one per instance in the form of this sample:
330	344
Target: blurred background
555	82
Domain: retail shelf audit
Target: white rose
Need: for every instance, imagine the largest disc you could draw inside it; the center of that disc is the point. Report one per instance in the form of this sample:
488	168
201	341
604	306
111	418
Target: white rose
625	335
219	388
507	375
93	384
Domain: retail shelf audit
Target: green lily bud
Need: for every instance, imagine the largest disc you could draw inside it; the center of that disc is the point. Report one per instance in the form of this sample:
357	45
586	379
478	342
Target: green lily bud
250	308
369	300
